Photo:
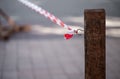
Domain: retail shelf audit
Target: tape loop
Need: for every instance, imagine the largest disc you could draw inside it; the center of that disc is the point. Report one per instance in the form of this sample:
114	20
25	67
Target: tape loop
78	31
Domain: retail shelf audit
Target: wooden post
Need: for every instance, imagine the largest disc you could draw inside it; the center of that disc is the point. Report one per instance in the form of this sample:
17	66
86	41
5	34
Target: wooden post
95	44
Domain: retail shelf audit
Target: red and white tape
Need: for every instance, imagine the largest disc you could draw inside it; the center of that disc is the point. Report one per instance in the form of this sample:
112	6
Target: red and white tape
52	18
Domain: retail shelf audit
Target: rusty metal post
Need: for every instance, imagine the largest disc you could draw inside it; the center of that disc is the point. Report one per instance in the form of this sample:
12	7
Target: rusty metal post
95	44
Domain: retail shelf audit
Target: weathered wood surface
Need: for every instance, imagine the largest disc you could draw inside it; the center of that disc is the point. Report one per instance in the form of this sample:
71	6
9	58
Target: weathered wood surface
94	44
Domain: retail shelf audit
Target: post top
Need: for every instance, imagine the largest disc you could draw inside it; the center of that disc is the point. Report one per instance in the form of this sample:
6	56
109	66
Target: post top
94	10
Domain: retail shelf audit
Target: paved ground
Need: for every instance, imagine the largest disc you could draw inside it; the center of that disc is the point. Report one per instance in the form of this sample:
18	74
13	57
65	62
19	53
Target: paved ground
43	53
41	59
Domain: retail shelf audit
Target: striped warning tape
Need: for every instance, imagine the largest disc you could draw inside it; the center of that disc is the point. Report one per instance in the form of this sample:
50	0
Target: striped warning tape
52	18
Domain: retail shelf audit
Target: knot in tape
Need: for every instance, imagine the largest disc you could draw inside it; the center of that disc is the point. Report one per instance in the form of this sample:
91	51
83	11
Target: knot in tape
70	34
78	31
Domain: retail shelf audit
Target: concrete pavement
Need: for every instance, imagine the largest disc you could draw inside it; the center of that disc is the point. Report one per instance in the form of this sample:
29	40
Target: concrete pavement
42	59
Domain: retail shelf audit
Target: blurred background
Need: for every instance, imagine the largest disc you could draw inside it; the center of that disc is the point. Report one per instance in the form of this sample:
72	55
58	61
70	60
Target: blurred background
43	53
